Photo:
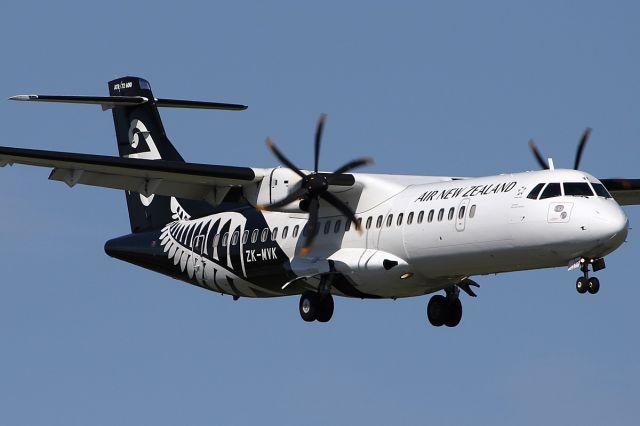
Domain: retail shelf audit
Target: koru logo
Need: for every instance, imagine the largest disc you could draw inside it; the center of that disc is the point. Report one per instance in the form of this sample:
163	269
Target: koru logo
138	130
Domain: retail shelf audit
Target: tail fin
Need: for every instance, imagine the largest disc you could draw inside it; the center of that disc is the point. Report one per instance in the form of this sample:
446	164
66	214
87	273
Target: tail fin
140	134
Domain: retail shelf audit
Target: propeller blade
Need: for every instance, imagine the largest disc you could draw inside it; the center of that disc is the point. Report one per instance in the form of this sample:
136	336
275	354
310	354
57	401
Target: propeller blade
284	160
300	193
354	164
536	153
342	207
321	121
312	230
581	144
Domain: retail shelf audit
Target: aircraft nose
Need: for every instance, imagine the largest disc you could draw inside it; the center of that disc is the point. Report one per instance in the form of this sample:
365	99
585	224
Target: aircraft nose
610	225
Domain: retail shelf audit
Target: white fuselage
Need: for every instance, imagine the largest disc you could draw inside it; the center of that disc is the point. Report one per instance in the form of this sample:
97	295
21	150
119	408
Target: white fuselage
434	234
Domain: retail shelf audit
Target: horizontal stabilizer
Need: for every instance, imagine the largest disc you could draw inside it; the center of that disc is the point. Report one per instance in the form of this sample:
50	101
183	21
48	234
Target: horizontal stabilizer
108	102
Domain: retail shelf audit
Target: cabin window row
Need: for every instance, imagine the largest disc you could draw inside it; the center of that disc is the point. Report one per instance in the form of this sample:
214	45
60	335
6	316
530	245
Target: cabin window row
265	234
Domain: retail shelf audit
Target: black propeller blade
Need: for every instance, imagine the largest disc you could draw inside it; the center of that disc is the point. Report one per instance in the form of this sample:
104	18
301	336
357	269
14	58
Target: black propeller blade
536	153
581	144
314	186
543	163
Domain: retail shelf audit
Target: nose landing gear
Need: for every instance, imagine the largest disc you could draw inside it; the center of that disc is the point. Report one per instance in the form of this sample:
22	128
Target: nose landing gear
585	283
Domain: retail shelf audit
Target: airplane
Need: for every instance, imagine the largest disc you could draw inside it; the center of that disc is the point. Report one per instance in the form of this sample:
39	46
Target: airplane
282	231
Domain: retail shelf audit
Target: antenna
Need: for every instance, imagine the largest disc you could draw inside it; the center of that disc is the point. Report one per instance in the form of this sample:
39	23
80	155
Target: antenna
551	166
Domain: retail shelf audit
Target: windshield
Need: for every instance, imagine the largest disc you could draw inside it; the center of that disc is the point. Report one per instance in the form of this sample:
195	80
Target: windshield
578	189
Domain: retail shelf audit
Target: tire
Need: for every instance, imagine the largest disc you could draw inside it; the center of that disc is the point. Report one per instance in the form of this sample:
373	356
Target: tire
437	310
582	284
325	308
309	306
593	285
454	313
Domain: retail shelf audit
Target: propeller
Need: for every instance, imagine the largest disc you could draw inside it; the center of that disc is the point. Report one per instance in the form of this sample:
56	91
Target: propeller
543	163
315	186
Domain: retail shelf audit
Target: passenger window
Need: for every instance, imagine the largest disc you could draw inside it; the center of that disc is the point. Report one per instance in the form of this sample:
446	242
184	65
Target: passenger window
552	190
245	237
420	216
225	238
234	238
578	189
369	219
461	212
389	220
264	235
410	218
295	231
285	231
535	191
327	227
472	211
440	215
399	221
601	191
254	236
379	221
430	216
451	212
274	234
347	225
336	228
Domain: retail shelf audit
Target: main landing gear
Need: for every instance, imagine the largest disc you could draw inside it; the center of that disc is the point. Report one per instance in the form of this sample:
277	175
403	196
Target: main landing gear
584	283
316	306
445	310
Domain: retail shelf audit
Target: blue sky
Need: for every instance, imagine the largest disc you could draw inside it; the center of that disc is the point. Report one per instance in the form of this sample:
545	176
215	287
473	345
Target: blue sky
437	88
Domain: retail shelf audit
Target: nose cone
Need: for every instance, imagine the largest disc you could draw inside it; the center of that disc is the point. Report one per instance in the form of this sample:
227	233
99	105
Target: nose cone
610	225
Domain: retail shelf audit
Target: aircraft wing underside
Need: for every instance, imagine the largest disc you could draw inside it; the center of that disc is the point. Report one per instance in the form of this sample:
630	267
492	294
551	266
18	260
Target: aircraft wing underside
170	178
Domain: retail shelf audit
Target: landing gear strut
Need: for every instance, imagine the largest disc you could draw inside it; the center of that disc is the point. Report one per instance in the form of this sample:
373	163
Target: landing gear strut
447	310
584	283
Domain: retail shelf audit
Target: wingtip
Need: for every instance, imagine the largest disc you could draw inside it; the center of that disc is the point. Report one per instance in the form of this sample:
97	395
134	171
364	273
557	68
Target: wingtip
23	97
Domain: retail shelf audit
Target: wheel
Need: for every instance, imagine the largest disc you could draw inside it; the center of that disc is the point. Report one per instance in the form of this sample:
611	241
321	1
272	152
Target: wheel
454	313
582	284
309	302
593	285
325	308
437	310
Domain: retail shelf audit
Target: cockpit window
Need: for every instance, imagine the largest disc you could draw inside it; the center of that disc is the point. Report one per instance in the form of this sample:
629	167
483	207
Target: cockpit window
579	189
535	191
552	190
601	191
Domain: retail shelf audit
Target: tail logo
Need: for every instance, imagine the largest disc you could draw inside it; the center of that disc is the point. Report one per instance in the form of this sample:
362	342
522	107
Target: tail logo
139	136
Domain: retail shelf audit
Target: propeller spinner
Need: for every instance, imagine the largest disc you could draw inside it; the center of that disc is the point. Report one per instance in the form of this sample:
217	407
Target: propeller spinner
314	186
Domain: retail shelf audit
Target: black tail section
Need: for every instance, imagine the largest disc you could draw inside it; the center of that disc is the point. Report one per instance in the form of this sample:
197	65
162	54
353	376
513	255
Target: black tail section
140	134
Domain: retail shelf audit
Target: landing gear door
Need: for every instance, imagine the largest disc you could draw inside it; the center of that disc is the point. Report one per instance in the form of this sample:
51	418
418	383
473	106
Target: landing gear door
461	215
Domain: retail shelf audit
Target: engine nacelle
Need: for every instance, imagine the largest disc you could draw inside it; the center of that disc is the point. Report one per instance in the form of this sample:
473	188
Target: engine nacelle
279	183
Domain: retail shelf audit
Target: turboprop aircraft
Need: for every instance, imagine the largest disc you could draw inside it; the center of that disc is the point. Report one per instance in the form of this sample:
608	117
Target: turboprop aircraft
268	232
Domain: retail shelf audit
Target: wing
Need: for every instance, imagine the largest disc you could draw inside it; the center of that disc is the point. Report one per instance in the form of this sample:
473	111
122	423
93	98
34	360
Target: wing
184	180
625	191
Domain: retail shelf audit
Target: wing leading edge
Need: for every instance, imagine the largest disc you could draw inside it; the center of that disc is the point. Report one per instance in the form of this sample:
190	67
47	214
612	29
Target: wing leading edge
625	191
